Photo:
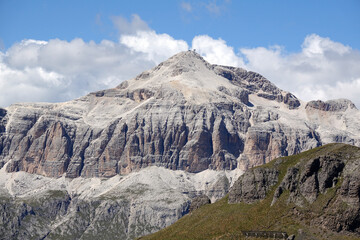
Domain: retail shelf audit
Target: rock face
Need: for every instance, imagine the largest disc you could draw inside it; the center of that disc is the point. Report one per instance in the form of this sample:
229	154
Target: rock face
198	202
73	169
184	114
253	185
323	185
60	217
122	207
331	105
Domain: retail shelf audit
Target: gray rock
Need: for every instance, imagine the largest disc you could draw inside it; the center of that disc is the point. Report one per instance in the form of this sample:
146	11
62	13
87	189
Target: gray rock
55	215
253	185
331	172
184	114
331	105
170	116
199	201
316	176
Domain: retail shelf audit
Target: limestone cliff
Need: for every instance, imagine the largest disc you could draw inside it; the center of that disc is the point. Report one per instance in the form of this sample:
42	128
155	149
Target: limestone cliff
184	114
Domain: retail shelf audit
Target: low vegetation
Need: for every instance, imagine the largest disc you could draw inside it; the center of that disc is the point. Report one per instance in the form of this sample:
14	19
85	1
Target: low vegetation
222	220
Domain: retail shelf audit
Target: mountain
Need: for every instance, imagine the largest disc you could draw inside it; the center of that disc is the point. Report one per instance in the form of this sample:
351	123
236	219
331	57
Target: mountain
313	195
72	169
184	114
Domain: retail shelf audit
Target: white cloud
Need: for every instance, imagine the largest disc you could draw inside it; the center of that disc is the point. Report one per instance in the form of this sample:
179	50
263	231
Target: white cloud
342	89
216	51
157	47
58	70
186	6
316	45
323	69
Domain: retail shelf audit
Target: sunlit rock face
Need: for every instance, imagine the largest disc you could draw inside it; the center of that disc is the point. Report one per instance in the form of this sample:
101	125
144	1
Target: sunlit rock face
107	160
184	114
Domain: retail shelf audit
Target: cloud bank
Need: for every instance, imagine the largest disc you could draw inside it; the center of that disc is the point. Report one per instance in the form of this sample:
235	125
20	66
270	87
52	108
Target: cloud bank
58	70
157	47
216	51
323	69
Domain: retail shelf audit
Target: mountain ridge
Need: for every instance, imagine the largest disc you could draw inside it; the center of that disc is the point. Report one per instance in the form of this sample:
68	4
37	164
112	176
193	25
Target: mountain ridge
184	114
68	169
283	196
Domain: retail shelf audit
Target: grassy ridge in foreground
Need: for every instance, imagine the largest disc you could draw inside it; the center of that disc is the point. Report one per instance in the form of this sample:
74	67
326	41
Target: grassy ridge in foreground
226	221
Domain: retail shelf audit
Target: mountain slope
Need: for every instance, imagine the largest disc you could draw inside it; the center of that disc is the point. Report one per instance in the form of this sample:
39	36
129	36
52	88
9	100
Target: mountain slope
109	157
121	207
314	195
184	114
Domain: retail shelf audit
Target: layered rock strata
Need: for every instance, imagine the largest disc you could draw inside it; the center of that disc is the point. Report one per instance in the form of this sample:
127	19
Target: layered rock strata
322	186
184	114
122	207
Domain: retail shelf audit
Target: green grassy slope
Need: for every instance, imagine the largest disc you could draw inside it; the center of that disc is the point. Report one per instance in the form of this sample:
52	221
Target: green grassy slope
226	221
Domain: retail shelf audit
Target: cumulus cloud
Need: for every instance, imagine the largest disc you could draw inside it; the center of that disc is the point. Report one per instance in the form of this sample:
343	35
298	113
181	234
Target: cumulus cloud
216	51
157	47
323	69
316	45
58	70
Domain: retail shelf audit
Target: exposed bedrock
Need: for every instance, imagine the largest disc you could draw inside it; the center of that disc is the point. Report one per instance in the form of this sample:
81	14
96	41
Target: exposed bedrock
183	114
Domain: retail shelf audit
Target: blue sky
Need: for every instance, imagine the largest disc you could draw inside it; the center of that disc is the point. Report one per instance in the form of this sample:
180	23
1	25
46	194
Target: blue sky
240	23
58	50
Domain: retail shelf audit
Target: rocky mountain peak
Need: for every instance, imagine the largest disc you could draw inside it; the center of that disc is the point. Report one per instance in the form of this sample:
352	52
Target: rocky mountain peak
187	76
185	57
181	63
184	114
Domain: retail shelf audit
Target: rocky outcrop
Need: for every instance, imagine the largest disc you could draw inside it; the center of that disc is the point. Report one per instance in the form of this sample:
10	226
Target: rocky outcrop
184	114
331	105
307	181
256	84
19	219
322	184
37	207
55	216
199	201
253	185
